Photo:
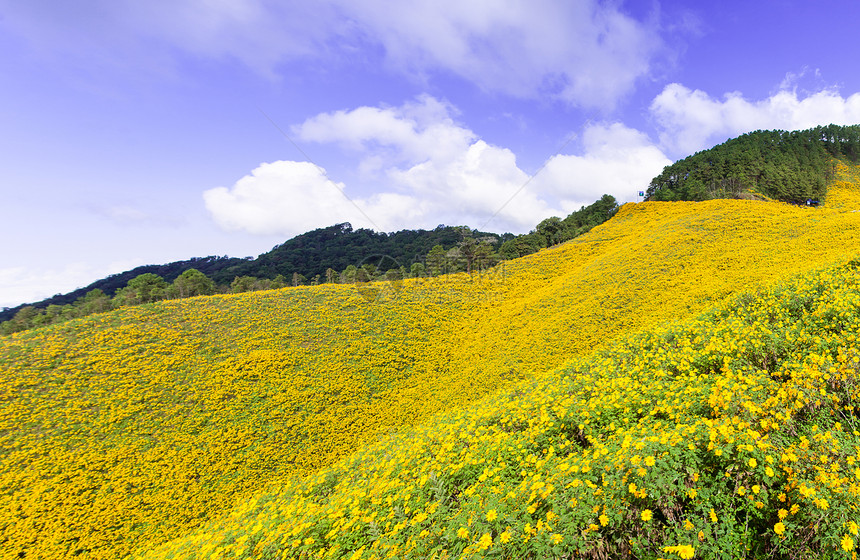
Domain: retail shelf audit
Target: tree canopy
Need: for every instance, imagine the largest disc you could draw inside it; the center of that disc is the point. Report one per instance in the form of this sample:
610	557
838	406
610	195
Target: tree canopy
789	166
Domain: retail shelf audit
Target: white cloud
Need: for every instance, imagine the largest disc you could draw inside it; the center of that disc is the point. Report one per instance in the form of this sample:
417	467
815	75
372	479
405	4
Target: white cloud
430	169
148	36
618	160
409	134
692	120
586	52
22	284
283	197
426	169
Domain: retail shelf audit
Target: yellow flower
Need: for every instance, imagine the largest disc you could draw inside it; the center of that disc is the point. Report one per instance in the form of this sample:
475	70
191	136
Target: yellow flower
794	509
604	520
847	543
756	489
646	515
691	492
779	528
852	528
492	515
713	515
685	551
688	525
485	542
649	460
782	513
556	538
463	533
752	463
768	471
506	536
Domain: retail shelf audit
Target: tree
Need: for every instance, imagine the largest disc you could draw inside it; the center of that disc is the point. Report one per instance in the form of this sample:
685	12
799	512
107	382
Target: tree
437	260
24	319
299	279
192	283
366	272
145	288
474	253
243	284
55	313
278	282
349	274
95	301
550	231
520	246
417	270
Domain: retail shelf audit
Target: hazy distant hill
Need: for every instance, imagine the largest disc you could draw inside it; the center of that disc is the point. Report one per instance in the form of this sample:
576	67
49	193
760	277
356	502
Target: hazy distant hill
308	254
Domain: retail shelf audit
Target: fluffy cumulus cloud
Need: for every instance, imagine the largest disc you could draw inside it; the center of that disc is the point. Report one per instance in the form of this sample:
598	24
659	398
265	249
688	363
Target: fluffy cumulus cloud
290	197
432	170
587	52
617	160
691	120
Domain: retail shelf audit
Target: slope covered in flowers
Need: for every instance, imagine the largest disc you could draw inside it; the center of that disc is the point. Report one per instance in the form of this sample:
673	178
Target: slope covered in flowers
731	435
121	431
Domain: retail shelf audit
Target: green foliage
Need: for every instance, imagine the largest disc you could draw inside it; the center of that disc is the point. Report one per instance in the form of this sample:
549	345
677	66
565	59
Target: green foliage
788	166
339	246
191	283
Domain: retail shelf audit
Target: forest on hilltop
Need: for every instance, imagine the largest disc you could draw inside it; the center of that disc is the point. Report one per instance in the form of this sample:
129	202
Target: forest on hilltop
793	167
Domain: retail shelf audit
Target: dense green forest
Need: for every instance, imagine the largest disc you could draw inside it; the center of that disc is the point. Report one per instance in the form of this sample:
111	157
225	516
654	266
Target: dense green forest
336	254
792	167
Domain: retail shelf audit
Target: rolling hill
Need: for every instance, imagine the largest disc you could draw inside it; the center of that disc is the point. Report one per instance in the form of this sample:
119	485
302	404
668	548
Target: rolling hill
308	254
444	416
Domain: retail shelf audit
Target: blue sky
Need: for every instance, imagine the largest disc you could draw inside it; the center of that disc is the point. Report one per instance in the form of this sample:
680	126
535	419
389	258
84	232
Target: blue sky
145	132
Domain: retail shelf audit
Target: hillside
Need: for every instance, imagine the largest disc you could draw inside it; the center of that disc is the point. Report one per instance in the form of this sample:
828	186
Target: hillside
308	255
731	435
124	430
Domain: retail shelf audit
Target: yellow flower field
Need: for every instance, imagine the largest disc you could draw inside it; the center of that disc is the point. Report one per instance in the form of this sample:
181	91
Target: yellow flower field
122	431
693	440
